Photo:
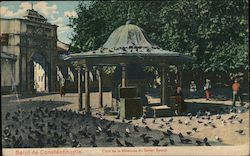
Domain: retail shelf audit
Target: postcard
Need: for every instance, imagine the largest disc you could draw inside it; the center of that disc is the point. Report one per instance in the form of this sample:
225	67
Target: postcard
124	78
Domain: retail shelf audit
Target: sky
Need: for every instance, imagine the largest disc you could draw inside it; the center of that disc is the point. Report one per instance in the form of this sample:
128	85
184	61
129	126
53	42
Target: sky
57	12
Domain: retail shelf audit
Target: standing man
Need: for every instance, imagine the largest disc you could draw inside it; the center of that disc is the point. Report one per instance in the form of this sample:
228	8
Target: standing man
179	100
236	94
62	87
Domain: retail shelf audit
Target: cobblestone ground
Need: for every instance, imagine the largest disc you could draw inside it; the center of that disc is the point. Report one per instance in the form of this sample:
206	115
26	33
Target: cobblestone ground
33	123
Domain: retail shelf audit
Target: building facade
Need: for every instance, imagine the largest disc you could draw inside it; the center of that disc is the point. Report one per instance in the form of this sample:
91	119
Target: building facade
32	41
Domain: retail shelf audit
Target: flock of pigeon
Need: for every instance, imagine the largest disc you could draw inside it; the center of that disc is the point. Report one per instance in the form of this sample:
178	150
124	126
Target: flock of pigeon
42	127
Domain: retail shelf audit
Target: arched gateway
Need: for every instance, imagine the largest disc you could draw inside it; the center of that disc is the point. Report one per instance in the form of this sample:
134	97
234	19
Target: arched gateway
34	43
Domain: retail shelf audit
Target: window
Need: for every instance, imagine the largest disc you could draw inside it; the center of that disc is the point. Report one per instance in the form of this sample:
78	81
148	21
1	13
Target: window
4	39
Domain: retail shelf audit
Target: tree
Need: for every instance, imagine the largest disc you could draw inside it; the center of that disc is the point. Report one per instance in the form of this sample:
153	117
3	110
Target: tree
216	32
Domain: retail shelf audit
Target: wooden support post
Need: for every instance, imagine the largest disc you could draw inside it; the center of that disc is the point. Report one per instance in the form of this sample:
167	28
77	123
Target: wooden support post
100	86
124	75
164	97
179	76
80	88
87	94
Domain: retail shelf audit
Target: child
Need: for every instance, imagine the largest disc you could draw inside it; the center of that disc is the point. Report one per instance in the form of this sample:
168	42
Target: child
207	89
193	89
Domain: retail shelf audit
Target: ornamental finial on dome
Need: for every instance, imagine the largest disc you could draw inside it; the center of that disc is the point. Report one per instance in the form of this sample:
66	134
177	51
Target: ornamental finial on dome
129	20
32	6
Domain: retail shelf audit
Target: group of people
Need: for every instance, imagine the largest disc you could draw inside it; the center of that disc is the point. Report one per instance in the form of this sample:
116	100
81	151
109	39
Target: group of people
207	89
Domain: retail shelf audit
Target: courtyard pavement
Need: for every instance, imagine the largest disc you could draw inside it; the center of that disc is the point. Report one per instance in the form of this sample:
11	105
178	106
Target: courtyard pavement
224	128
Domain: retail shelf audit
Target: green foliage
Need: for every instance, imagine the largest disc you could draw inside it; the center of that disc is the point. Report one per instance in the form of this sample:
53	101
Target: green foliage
216	32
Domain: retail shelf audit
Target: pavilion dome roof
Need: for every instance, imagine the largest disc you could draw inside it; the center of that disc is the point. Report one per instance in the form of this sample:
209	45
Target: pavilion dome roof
128	36
130	41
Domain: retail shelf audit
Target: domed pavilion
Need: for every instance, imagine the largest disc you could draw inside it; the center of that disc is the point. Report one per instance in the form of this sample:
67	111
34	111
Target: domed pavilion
127	45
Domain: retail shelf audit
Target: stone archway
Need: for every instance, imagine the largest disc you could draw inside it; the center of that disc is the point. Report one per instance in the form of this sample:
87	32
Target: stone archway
39	73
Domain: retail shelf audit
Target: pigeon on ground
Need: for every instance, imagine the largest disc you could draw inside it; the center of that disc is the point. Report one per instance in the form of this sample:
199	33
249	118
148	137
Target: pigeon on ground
186	141
136	128
198	142
118	142
240	131
171	120
207	144
179	121
128	144
30	138
156	142
218	138
194	129
110	139
146	139
213	126
187	122
180	136
165	144
130	121
200	121
16	132
171	141
218	116
205	140
169	132
147	128
7	116
143	135
117	134
144	122
161	126
127	130
127	134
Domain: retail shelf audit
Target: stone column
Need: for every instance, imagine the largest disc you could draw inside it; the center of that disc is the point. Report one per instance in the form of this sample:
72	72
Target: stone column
87	93
124	75
100	86
19	70
164	96
53	73
80	88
